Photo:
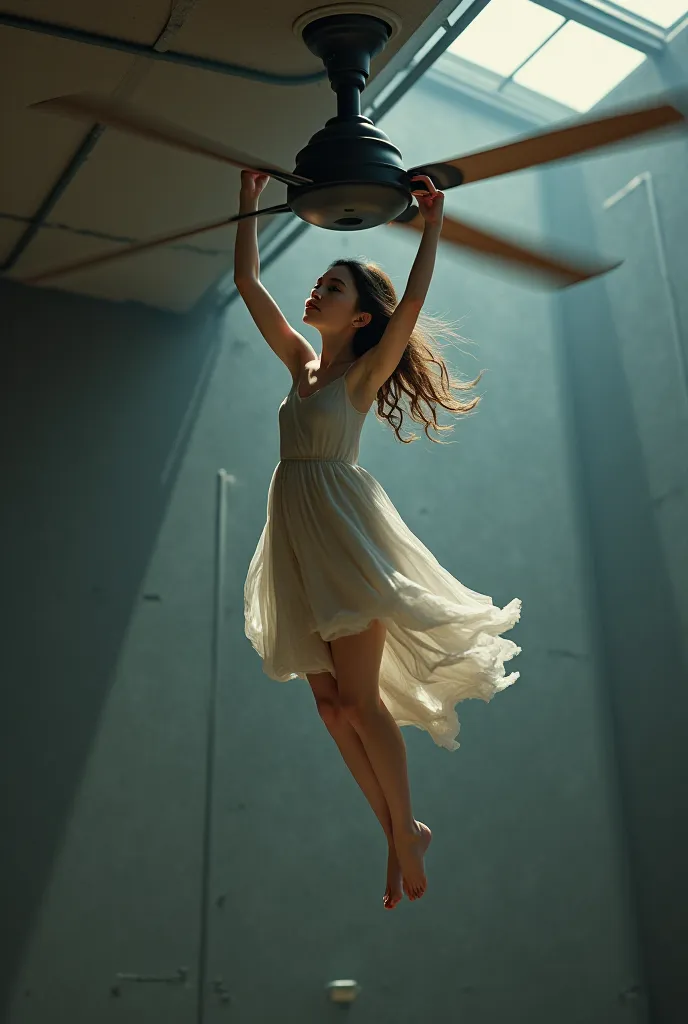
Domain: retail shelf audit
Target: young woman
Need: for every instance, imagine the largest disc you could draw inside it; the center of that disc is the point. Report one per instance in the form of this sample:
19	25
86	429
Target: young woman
340	591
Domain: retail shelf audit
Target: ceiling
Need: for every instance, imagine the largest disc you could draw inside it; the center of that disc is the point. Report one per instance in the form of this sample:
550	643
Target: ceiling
131	189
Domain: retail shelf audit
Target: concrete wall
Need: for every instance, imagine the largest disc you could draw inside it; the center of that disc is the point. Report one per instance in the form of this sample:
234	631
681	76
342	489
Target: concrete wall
103	727
161	824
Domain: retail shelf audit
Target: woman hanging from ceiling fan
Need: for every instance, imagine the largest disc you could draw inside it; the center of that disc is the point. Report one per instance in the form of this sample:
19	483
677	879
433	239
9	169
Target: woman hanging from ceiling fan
339	590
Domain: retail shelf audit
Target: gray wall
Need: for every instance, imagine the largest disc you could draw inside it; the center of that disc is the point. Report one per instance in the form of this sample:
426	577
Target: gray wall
625	352
118	421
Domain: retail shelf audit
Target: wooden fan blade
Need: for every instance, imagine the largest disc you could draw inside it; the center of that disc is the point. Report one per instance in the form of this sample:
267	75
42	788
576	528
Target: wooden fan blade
125	116
550	146
553	269
153	243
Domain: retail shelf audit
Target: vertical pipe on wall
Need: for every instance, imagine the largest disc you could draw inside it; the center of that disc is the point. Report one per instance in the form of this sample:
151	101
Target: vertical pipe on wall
221	490
645	179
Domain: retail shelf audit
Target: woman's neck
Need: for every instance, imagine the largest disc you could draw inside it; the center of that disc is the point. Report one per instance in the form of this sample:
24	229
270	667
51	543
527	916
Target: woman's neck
336	350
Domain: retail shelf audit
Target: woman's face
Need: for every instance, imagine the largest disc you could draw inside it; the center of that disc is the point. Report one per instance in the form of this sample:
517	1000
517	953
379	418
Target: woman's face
333	303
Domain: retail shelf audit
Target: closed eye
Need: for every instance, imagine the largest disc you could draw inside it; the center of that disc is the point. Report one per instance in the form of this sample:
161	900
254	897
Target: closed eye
332	286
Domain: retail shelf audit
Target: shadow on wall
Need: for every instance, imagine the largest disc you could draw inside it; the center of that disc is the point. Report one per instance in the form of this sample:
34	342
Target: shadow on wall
639	618
98	400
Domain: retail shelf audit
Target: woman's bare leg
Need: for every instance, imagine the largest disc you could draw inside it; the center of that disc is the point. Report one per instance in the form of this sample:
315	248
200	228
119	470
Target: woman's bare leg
357	664
357	761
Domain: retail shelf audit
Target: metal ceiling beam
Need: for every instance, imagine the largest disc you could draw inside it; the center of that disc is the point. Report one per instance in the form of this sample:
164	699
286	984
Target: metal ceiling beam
446	34
625	28
69	173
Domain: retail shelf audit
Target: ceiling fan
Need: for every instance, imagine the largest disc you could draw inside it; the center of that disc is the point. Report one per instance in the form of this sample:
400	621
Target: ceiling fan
350	176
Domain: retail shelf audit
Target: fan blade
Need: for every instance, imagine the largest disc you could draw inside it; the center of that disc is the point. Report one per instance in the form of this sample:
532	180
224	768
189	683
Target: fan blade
126	117
153	243
553	268
550	146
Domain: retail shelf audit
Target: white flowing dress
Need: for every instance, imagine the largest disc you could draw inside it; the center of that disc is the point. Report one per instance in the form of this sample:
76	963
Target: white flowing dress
335	554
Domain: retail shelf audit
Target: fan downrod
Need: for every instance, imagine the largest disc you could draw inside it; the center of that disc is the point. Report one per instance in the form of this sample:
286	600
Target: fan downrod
358	177
346	43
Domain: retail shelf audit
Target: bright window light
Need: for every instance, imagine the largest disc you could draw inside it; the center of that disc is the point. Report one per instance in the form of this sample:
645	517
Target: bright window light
578	66
505	34
662	12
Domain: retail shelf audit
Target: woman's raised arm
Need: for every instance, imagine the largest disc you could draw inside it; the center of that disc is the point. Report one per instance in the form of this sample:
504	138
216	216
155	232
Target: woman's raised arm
291	347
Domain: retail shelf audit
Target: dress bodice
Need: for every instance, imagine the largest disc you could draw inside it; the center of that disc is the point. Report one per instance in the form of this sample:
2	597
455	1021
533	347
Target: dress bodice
324	425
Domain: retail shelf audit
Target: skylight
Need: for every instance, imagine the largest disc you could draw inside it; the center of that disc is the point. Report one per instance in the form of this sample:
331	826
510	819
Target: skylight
526	43
505	34
579	67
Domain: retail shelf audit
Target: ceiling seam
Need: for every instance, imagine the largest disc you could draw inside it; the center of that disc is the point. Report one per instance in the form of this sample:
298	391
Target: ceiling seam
107	237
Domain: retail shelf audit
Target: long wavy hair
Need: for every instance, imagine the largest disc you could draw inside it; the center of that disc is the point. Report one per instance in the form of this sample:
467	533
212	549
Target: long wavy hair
422	374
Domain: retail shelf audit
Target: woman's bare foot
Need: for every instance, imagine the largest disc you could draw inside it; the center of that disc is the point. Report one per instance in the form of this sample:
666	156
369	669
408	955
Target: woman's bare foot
393	892
411	848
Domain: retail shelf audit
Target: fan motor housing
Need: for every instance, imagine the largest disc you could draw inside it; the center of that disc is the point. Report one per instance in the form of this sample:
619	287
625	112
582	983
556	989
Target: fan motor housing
359	180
